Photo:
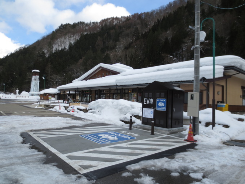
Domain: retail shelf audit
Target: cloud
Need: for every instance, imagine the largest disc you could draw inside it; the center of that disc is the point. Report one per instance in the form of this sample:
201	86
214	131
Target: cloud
4	28
96	12
7	45
67	4
37	15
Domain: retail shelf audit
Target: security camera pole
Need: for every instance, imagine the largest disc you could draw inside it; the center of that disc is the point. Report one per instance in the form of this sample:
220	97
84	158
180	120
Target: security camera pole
196	87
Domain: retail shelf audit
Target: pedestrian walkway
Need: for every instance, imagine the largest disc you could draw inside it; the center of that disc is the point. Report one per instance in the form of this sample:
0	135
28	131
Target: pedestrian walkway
94	148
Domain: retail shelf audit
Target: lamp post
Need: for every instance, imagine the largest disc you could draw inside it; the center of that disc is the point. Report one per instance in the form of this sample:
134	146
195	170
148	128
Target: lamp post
44	81
4	87
213	100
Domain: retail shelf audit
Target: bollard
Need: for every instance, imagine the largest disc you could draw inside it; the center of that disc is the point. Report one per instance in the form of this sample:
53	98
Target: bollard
130	123
152	127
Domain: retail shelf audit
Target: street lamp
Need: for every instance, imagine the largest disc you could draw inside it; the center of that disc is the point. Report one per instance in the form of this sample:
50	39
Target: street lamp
4	87
44	81
213	101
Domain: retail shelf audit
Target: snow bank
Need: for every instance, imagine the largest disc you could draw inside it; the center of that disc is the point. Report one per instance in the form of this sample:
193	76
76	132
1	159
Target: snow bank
23	96
219	134
116	109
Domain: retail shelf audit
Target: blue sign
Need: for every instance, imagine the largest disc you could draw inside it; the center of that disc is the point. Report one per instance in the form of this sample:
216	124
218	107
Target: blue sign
107	137
161	104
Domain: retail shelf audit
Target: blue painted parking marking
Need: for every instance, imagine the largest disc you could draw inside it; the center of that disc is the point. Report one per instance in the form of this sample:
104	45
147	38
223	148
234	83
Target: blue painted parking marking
107	137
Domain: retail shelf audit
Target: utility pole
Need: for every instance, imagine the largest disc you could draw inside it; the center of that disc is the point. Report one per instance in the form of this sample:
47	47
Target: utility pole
196	87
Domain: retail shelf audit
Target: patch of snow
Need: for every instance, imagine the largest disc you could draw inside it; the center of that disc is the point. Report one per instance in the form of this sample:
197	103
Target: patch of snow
175	174
126	174
196	175
145	179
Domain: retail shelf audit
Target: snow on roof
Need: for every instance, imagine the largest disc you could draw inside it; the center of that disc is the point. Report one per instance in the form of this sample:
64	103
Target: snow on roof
50	91
182	71
118	67
183	74
35	71
228	60
143	78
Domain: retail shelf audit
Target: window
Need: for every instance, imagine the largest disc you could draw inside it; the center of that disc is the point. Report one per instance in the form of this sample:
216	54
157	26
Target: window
162	95
157	95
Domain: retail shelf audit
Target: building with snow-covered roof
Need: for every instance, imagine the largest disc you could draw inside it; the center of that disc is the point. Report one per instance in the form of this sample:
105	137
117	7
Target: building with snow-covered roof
128	83
46	94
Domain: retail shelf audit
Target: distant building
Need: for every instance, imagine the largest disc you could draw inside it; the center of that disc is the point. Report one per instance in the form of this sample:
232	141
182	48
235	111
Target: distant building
48	94
35	83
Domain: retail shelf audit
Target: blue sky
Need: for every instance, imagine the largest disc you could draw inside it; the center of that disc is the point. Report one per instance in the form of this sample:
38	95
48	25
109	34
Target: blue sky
23	22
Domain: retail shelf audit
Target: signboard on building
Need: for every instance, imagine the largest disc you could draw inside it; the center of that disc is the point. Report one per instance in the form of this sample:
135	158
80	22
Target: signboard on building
148	113
161	104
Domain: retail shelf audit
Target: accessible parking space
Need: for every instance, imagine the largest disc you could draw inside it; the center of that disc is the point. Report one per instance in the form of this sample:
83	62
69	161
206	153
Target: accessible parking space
97	151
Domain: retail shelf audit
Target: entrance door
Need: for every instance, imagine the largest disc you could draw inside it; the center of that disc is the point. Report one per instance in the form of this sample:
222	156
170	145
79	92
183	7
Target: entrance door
243	97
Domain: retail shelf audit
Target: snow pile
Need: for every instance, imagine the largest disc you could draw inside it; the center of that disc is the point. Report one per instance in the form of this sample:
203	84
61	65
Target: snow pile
107	110
18	163
116	109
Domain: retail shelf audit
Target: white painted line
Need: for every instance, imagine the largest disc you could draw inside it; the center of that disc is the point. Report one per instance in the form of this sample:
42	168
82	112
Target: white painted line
65	132
154	142
144	146
95	155
3	113
98	155
89	162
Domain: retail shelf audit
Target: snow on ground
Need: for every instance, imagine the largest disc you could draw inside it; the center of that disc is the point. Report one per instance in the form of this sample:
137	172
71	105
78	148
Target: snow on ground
19	163
145	179
211	161
23	96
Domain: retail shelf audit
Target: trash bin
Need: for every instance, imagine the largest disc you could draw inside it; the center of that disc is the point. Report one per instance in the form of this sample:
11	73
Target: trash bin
222	107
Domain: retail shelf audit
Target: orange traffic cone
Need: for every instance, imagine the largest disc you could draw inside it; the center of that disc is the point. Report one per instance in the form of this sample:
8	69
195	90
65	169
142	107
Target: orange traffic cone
190	135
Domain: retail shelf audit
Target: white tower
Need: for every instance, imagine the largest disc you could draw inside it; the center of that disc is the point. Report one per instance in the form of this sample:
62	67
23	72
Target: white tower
35	83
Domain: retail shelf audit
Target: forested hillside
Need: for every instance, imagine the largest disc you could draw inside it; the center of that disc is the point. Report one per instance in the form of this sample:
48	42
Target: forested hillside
158	37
